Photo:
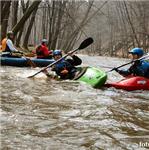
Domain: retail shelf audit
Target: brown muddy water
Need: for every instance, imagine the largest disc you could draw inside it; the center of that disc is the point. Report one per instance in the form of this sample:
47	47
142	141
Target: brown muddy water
42	114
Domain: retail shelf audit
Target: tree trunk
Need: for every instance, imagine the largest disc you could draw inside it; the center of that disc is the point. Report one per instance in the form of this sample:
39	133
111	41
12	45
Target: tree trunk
73	35
25	43
4	17
14	12
24	8
44	22
61	7
5	7
27	14
52	23
131	24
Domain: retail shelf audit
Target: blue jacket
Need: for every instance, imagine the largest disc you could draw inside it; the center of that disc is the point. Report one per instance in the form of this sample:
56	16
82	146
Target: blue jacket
69	65
139	68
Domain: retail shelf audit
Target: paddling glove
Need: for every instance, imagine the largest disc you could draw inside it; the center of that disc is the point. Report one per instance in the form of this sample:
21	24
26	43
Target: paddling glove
116	69
122	72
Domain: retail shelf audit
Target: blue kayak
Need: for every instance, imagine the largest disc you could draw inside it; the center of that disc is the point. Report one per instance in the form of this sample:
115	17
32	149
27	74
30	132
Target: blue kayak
23	62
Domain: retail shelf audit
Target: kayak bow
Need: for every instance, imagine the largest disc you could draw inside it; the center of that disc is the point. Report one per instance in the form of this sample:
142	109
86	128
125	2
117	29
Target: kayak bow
131	83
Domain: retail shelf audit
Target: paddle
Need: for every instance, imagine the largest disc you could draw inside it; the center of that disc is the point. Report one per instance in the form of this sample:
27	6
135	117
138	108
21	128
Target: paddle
83	45
29	61
143	57
29	55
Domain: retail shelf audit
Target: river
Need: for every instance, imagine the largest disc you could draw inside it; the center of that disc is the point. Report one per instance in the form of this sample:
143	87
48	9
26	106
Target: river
43	114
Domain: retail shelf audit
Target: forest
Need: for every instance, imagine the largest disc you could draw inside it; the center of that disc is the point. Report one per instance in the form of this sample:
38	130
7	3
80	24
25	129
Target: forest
116	26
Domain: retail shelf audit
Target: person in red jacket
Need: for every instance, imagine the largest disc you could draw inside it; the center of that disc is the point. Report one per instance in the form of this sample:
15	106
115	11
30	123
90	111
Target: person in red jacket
42	50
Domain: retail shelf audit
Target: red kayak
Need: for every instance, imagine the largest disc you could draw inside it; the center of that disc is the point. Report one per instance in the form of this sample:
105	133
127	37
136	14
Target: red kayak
131	83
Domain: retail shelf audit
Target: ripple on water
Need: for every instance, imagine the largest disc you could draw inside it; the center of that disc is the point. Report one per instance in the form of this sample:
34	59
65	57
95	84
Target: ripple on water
46	114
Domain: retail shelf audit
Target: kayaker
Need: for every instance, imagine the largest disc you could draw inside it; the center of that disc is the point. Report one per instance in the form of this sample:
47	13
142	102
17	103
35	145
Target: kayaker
139	67
42	50
8	47
66	67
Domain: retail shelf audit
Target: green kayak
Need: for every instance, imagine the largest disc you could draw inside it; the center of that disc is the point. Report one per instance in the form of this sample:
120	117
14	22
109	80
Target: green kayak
92	76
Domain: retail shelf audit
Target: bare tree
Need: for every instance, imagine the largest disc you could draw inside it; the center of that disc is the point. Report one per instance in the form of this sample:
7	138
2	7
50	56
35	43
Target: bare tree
14	12
116	26
24	7
5	10
25	43
131	24
26	15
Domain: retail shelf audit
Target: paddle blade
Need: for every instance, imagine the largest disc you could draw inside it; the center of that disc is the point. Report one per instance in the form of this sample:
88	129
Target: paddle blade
31	63
31	76
86	43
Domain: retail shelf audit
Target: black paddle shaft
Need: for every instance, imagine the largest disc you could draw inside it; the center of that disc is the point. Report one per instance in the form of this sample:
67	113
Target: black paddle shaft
143	57
83	45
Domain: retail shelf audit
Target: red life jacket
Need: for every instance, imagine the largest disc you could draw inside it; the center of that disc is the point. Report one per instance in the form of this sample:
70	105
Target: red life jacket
38	50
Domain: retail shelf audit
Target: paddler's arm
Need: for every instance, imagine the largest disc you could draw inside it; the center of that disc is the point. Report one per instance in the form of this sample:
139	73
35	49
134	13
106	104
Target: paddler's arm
75	61
50	76
123	72
11	46
46	73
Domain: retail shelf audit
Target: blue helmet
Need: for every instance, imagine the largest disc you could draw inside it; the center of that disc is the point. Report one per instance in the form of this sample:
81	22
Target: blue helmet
137	51
57	52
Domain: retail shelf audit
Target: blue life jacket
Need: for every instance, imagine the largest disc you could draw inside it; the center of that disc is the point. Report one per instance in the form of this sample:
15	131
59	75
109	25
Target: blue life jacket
64	64
139	68
66	67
